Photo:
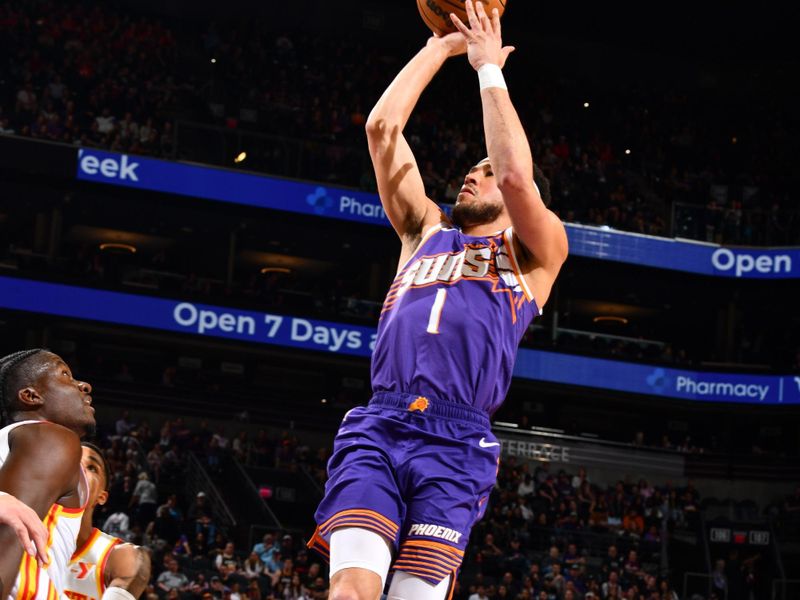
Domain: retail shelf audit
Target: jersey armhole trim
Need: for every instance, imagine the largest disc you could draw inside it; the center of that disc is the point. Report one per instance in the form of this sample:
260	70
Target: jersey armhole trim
424	240
101	565
508	235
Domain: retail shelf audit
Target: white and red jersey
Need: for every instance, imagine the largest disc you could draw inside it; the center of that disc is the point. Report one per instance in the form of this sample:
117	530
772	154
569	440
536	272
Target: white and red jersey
86	579
63	525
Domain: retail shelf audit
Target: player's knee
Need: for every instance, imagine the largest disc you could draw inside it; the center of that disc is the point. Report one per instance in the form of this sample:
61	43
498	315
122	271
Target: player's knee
347	585
345	593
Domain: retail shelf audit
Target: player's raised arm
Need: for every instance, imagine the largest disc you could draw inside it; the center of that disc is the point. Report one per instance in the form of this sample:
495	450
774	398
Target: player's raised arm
538	229
399	180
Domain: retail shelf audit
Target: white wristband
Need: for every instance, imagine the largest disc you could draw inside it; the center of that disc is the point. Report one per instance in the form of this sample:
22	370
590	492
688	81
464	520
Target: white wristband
491	76
117	593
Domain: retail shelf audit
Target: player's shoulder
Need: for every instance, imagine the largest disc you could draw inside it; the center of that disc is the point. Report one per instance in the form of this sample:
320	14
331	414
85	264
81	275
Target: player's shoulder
127	559
45	436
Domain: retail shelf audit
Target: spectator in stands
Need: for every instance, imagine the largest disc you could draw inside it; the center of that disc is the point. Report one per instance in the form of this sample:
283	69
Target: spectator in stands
172	578
525	487
480	594
558	581
201	516
106	123
633	523
571	556
318	589
652	536
217	545
199	545
666	592
124	426
227	558
182	547
27	101
632	567
118	525
612	561
563	484
611	588
241	447
253	568
719	580
218	589
265	548
579	479
155	459
516	560
254	590
598	513
171	511
547	490
199	586
145	496
295	590
274	566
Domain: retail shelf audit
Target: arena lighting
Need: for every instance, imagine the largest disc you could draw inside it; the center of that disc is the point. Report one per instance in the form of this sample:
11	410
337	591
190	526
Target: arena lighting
324	401
734	140
265	270
213	61
240	157
117	247
610	319
627	150
585	105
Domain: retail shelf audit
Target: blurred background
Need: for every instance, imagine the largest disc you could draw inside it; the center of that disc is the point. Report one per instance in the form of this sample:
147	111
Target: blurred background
188	216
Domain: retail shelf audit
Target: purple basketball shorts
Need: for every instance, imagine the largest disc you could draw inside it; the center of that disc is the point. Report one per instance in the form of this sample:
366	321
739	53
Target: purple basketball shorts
414	470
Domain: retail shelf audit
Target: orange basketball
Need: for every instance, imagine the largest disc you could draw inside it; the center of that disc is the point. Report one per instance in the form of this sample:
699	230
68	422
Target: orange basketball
436	13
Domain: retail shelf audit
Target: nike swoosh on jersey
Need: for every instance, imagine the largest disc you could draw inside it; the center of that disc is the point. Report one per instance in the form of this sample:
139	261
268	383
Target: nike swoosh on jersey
484	444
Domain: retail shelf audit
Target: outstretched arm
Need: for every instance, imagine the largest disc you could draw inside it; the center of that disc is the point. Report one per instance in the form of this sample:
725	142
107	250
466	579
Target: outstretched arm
538	229
399	181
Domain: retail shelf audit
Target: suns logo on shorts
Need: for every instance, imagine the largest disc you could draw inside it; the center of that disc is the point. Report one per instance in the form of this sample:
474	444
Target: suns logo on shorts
420	404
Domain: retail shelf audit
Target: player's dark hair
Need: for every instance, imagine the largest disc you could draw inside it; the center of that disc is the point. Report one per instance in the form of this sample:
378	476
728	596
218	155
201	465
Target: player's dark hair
543	183
99	452
16	371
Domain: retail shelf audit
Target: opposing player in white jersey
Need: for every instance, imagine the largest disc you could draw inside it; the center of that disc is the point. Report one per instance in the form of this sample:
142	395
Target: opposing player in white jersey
103	566
43	410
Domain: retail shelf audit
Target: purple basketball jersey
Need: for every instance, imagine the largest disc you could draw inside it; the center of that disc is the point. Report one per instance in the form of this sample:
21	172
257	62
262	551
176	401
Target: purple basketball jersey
453	319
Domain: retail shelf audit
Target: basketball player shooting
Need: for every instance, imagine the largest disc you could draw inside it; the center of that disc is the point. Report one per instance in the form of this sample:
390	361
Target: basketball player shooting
411	472
103	566
43	411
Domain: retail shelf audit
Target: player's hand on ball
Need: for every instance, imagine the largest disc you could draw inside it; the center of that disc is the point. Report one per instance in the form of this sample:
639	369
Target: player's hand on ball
483	36
454	43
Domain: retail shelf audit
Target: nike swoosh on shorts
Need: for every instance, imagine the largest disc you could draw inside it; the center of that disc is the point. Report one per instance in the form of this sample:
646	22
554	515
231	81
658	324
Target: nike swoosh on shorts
484	444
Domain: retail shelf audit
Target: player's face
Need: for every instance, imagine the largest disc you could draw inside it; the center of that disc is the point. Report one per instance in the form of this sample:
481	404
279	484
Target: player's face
67	401
479	200
94	467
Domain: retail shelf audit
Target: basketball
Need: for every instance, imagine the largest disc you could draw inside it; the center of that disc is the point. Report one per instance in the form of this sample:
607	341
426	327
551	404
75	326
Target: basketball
436	13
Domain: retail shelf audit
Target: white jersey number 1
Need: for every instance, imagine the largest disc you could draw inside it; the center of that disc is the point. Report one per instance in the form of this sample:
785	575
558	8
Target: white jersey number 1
436	310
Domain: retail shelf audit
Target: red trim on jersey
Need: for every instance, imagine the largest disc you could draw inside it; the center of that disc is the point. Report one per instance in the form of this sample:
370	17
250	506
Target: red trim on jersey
101	565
